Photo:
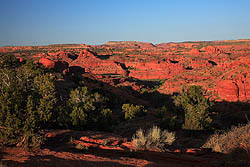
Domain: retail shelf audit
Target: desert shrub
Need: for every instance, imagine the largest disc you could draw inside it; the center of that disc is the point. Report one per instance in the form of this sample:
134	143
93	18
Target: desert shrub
27	100
131	111
235	143
237	137
154	138
196	108
9	61
87	110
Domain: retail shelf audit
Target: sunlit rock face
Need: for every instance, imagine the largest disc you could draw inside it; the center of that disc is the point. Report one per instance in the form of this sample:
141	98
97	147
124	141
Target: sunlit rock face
221	67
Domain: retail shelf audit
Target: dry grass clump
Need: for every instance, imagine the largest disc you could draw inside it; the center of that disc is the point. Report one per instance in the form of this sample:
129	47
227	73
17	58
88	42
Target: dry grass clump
227	142
155	138
235	143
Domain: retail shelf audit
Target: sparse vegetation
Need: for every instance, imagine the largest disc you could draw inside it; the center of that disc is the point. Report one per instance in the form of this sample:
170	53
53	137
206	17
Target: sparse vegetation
238	138
196	108
235	143
154	138
131	111
88	110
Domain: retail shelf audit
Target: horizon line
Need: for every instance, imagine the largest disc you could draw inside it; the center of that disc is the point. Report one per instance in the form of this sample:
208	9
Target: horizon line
135	41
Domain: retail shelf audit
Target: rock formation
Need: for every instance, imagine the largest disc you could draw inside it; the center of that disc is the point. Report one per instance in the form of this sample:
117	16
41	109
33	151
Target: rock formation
221	67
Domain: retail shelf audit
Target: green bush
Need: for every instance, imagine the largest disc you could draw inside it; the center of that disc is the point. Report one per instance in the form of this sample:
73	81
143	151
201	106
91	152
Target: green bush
27	100
196	108
155	138
28	104
131	111
88	110
9	61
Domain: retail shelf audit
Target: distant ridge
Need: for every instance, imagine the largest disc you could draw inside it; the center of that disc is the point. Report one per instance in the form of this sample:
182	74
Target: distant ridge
129	42
125	42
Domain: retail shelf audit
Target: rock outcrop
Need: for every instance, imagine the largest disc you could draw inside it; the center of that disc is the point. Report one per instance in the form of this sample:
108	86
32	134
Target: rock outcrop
47	63
221	67
57	65
91	63
154	69
228	90
211	50
235	84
